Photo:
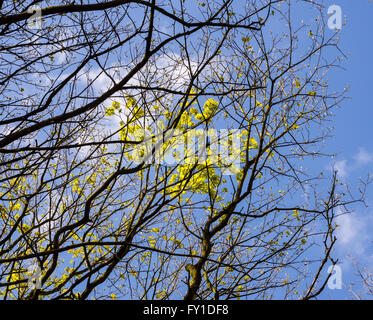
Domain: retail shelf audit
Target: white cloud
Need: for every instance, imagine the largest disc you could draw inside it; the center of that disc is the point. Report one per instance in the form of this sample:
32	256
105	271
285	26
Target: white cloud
354	243
363	157
353	232
350	227
341	168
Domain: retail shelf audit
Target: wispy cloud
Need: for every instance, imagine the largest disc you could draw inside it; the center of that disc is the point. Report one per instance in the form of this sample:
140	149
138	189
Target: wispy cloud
363	157
354	236
341	167
351	230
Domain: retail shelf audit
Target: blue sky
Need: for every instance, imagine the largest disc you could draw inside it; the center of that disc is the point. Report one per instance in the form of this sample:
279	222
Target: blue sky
353	135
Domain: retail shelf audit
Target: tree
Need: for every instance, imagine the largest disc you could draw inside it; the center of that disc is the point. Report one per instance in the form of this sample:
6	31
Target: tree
101	186
363	287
